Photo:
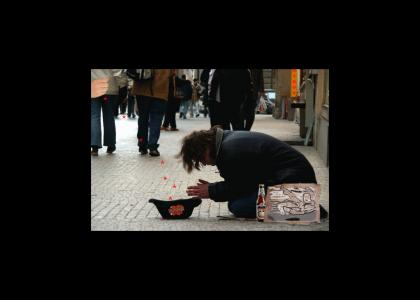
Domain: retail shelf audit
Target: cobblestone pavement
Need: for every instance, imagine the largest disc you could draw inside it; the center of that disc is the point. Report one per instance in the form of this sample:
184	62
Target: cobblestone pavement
122	183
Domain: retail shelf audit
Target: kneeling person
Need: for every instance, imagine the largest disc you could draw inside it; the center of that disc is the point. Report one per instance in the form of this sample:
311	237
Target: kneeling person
245	159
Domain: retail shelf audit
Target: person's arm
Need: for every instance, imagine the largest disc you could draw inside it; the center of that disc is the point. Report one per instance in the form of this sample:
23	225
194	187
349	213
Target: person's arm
219	191
98	87
237	180
223	191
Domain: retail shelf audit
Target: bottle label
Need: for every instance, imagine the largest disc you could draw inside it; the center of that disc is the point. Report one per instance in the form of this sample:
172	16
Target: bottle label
260	212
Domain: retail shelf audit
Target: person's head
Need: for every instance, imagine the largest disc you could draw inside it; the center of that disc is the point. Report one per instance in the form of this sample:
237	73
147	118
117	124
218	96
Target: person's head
199	149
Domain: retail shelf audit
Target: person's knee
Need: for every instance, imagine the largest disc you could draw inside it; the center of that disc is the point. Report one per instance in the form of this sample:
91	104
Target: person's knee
242	211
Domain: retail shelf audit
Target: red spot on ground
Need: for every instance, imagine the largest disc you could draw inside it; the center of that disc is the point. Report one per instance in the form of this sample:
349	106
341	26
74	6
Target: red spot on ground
170	198
162	162
164	177
174	186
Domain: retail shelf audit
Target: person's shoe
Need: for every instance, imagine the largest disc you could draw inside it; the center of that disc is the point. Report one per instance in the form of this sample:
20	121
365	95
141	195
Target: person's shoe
111	149
197	116
154	152
94	151
174	129
142	151
164	128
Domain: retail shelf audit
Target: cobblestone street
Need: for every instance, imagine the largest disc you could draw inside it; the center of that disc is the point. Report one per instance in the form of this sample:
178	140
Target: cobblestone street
122	183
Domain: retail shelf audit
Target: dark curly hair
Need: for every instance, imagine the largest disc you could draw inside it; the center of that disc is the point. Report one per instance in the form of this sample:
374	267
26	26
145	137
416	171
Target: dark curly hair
194	147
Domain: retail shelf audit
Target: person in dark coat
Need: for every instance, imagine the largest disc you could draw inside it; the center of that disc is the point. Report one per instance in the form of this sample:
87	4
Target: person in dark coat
204	81
230	90
245	160
257	76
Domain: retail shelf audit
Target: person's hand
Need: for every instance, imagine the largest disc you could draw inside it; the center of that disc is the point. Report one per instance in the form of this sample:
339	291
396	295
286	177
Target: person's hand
201	190
98	87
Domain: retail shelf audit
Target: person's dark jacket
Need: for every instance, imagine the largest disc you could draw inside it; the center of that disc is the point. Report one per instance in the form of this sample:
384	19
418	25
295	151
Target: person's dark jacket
187	89
246	159
204	81
235	87
257	76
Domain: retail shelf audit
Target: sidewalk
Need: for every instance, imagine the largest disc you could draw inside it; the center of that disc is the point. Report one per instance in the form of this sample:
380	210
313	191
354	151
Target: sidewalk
122	183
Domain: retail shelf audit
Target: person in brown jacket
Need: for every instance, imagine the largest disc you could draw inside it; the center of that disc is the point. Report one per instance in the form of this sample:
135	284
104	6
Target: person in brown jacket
152	98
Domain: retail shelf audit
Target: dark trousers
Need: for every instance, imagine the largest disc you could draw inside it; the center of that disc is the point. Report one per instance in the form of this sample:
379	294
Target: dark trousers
151	112
249	121
170	119
234	118
130	106
226	116
122	103
244	206
216	113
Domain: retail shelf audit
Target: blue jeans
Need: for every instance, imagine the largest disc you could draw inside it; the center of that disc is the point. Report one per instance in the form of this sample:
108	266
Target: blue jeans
185	104
151	112
107	107
244	206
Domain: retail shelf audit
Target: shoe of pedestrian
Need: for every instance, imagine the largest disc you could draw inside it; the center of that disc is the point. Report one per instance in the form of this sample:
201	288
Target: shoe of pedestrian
176	209
111	149
143	151
164	128
154	152
94	151
197	116
174	129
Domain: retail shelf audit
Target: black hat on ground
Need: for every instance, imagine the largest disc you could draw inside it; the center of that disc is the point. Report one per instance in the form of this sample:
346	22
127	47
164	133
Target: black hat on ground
176	209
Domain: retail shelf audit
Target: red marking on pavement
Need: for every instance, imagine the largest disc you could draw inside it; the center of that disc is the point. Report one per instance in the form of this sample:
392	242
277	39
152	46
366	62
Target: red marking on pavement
162	162
164	177
174	186
170	198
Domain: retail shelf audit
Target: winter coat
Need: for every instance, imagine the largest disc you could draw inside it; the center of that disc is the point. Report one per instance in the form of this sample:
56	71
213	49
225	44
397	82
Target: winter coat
246	159
112	74
159	87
